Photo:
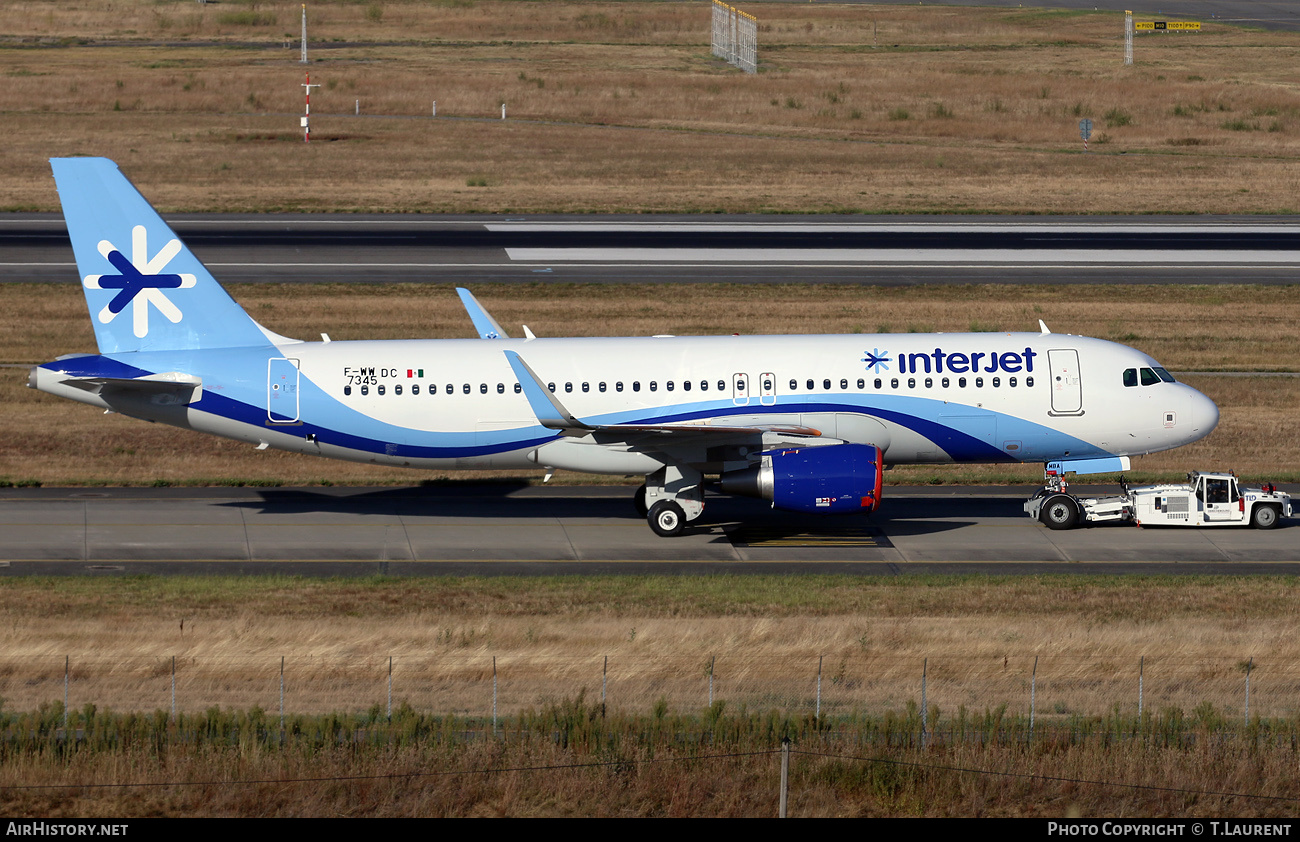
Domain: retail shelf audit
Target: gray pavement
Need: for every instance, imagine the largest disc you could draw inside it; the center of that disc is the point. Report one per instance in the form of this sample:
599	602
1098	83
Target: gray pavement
893	250
516	529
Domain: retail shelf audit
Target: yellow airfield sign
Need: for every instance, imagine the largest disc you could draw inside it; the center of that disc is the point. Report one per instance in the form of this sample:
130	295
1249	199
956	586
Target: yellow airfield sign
1184	25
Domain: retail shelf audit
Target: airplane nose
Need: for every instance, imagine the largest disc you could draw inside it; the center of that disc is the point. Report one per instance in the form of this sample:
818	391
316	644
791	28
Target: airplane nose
1203	414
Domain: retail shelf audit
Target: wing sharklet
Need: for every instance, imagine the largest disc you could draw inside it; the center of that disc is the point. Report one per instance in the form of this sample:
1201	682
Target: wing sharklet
486	326
546	406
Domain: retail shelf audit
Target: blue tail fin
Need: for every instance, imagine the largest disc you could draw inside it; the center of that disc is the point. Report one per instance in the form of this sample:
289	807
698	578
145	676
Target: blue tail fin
160	297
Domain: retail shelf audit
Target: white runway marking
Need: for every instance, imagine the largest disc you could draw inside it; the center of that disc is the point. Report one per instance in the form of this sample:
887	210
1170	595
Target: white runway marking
975	257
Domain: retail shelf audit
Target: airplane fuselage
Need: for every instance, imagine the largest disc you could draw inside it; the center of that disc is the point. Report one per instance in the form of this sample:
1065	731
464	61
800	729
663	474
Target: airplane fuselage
922	398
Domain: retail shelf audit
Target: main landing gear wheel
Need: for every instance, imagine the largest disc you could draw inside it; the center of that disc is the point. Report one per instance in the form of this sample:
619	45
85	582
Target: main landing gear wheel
667	519
638	500
1059	512
1264	517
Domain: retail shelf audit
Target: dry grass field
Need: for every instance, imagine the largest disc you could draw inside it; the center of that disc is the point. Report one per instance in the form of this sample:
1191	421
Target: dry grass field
548	636
980	636
618	106
1246	327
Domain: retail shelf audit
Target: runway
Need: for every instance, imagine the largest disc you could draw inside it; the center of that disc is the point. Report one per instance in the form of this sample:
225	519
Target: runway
694	249
525	530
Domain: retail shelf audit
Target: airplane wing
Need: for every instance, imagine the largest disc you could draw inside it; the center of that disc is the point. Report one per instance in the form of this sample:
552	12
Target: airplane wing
553	414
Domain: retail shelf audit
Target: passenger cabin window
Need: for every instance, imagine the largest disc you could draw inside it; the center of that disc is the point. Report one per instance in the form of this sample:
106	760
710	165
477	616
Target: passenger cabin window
415	388
380	390
501	388
397	390
794	384
347	390
568	387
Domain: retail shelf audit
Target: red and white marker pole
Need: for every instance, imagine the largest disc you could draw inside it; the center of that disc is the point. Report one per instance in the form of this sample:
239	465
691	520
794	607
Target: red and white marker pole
306	118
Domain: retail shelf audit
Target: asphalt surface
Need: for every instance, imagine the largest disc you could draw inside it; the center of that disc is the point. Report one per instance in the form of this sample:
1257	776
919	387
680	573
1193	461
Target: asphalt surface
525	530
1265	14
685	249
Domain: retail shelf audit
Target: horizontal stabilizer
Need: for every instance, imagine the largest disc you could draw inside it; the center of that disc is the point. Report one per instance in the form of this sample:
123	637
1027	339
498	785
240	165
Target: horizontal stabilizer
167	383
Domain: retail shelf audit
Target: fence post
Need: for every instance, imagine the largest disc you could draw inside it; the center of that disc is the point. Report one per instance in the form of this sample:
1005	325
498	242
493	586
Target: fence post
1033	695
604	683
390	688
173	688
1249	665
925	667
281	698
711	660
1141	670
494	695
785	773
66	664
819	686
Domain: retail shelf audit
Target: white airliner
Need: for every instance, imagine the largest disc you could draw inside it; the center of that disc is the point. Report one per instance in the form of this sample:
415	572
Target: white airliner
807	422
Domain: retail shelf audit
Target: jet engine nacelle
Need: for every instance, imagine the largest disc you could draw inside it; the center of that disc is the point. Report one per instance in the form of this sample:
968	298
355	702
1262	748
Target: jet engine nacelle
831	478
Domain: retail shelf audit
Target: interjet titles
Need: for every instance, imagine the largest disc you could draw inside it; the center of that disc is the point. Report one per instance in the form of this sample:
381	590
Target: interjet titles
941	361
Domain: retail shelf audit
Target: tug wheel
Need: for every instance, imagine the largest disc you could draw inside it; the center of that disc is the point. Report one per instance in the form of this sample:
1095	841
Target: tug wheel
1059	512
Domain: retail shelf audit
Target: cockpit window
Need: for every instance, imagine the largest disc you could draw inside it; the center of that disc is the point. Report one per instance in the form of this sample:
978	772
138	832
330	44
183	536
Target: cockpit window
1130	377
1149	377
1165	376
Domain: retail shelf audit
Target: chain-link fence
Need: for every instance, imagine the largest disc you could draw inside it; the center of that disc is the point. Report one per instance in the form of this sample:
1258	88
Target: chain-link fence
1037	691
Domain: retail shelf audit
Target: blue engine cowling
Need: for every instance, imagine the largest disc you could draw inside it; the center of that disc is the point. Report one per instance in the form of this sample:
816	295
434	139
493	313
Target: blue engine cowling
831	478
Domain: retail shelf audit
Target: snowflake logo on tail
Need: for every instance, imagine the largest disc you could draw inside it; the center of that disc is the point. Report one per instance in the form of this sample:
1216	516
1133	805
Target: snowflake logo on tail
876	360
140	282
